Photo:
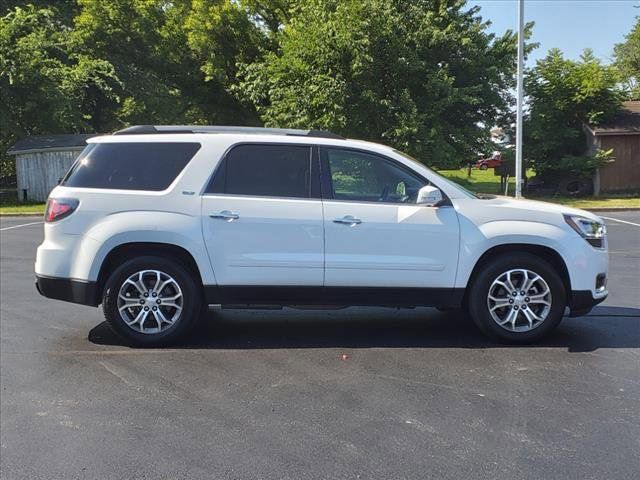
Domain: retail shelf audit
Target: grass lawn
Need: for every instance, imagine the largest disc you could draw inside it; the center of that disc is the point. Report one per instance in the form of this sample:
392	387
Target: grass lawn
597	202
22	208
484	181
481	181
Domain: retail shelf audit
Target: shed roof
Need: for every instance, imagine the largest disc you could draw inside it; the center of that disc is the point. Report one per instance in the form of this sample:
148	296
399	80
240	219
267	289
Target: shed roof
36	143
625	122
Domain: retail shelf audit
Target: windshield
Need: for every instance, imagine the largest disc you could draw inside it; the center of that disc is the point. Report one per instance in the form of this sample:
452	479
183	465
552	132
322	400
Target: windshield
440	177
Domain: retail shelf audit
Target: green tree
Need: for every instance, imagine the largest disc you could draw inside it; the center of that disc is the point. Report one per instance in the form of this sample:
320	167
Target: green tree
220	35
65	9
627	56
564	96
48	84
270	14
422	75
176	59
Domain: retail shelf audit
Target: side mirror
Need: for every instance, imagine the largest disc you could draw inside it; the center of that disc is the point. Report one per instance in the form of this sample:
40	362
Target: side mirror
429	196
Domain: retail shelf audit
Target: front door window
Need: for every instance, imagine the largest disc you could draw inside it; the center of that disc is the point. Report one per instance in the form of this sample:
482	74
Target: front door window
361	177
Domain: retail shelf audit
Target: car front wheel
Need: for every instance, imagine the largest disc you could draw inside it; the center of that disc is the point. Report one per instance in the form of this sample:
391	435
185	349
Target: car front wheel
517	298
151	301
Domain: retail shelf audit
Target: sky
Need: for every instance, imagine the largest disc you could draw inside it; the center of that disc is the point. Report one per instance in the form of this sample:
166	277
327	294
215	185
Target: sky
570	25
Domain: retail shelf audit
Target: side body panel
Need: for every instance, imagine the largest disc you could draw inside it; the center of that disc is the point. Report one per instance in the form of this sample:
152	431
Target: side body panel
394	246
488	223
274	241
81	256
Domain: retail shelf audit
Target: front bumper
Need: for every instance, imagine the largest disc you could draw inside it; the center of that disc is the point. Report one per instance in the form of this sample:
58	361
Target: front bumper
582	301
68	289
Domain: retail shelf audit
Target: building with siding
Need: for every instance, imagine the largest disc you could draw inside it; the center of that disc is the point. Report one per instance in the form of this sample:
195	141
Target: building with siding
622	134
42	160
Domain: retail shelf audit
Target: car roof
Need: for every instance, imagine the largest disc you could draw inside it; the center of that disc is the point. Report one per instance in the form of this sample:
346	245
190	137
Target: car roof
253	136
160	129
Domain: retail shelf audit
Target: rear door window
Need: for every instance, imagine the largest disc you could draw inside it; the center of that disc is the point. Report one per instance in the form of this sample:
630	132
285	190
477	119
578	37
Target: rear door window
264	171
130	166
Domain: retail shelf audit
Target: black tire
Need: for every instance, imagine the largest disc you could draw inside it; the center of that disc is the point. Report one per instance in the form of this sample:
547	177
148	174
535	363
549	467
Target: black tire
477	299
483	166
192	302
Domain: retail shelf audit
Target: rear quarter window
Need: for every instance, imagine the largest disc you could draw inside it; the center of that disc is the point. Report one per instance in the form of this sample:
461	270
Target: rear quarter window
130	166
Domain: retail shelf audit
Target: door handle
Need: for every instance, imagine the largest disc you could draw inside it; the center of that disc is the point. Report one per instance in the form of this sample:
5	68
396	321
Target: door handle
348	220
225	215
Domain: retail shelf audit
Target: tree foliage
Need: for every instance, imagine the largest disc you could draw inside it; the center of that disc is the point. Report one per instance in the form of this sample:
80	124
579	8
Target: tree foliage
271	14
48	83
565	96
627	56
423	76
176	58
65	10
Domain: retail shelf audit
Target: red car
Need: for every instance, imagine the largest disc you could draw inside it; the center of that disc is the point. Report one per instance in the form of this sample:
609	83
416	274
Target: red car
493	161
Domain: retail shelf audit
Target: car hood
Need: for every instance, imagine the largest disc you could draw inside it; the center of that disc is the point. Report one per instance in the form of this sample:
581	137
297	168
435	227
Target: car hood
506	208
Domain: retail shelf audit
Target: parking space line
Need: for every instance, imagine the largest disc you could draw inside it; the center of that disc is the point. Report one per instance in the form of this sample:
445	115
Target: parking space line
18	226
621	221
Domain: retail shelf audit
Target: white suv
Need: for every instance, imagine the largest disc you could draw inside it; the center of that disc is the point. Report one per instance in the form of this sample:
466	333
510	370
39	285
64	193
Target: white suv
157	222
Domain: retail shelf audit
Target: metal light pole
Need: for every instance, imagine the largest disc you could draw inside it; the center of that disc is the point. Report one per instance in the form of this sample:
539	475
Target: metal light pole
520	95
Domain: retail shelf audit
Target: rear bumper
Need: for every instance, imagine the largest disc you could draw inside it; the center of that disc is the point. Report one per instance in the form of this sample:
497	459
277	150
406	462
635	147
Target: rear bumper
582	301
68	289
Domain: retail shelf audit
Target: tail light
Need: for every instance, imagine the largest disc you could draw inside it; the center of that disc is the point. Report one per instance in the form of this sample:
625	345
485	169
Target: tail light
59	208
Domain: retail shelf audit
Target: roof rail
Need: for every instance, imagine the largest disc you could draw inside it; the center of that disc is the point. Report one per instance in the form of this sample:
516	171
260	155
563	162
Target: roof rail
155	129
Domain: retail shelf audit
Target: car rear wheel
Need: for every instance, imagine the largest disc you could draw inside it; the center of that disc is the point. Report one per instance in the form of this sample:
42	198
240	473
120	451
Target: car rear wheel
151	301
517	298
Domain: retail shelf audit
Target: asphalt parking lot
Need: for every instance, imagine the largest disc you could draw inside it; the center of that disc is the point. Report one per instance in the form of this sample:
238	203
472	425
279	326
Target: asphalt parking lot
355	393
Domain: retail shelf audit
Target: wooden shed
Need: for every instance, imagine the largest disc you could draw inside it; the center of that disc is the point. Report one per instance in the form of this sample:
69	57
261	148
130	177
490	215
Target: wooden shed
42	160
622	134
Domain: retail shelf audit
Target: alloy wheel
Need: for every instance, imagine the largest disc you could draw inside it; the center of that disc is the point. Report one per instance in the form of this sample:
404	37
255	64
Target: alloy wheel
519	300
150	301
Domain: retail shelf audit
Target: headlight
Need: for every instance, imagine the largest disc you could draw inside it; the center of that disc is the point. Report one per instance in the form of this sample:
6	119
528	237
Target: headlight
591	230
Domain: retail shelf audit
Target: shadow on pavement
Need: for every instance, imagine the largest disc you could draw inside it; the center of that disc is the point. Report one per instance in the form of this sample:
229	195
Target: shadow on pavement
605	327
